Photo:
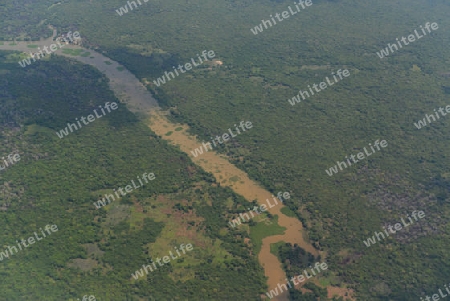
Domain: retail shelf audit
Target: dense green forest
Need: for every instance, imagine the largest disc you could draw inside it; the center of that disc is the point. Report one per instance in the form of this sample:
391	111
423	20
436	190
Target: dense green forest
57	180
288	149
26	20
295	261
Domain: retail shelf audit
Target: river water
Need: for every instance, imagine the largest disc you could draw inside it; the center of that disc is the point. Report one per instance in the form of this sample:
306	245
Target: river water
139	100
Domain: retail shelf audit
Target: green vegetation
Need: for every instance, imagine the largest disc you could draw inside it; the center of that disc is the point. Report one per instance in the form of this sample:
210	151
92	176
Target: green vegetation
32	46
57	180
288	212
274	248
289	147
295	260
25	17
74	52
261	230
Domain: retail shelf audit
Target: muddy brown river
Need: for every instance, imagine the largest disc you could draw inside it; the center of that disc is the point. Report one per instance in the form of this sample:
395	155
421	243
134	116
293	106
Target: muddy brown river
131	91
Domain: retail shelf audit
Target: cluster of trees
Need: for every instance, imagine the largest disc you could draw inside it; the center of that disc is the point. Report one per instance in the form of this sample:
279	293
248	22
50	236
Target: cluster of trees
379	99
290	147
25	20
57	181
295	260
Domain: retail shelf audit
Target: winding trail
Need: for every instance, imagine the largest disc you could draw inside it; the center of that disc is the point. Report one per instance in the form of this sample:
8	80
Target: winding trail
140	101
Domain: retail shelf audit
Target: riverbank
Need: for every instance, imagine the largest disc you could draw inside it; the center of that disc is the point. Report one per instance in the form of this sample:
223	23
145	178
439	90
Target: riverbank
140	101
